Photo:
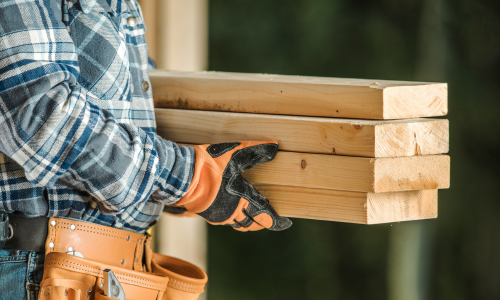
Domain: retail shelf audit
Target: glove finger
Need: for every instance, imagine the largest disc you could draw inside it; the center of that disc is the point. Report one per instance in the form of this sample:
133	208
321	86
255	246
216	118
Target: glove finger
259	208
247	225
243	222
251	156
268	217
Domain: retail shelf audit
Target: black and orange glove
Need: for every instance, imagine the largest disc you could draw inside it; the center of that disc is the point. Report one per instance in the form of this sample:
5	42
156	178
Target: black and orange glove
222	196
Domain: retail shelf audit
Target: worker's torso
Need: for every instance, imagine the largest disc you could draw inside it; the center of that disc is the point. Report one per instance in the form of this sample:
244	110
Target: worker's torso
113	62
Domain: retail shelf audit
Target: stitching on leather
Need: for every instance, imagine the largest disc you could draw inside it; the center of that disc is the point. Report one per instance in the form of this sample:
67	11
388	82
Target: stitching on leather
185	283
100	271
70	262
118	237
101	229
71	267
88	226
158	283
184	288
155	285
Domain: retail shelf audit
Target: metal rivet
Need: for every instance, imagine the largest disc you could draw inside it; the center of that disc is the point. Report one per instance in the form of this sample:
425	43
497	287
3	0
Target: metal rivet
53	223
101	285
30	287
128	238
51	245
131	21
72	227
70	249
145	85
123	261
89	291
66	293
46	292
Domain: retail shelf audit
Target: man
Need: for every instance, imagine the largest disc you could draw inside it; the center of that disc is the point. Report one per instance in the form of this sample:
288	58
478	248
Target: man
78	136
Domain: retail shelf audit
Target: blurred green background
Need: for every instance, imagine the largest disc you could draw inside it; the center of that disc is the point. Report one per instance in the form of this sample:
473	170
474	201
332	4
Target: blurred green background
456	256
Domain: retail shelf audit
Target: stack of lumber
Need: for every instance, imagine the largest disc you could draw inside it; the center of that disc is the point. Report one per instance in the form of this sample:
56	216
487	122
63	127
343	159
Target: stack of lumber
350	150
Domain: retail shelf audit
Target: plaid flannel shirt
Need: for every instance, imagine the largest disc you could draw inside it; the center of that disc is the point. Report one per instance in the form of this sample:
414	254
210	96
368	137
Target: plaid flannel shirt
77	126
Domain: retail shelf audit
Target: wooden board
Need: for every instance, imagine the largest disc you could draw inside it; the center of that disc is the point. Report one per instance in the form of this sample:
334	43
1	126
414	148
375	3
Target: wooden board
298	95
308	134
359	174
351	207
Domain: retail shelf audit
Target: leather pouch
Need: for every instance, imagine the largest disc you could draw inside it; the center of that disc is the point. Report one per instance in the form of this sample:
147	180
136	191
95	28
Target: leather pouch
73	278
187	281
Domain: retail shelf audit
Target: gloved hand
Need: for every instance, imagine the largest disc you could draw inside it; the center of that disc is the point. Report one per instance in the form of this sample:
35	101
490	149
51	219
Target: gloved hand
221	195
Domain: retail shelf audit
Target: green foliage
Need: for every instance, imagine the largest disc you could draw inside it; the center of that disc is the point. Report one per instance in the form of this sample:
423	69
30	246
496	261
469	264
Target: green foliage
379	40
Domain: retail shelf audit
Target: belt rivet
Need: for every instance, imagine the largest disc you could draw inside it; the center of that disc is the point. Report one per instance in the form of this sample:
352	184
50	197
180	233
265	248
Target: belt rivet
123	261
101	285
53	223
72	227
46	292
65	292
70	249
89	291
128	238
51	245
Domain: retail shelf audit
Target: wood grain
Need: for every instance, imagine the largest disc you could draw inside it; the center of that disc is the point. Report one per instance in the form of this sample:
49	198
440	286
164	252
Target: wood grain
351	207
298	95
348	173
308	134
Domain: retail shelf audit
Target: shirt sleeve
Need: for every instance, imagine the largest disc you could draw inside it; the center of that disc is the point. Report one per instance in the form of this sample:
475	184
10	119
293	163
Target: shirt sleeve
52	130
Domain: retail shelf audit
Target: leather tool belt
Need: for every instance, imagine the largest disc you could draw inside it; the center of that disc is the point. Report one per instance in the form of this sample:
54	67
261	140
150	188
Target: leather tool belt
79	256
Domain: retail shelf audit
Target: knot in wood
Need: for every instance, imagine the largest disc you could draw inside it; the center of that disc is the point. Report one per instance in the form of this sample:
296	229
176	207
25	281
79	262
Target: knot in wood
303	164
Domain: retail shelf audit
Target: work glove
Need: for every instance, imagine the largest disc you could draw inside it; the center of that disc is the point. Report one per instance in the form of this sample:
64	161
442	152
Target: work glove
222	196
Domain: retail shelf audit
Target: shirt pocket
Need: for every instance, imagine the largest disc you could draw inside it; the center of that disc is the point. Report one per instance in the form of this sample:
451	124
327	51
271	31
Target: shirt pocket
101	48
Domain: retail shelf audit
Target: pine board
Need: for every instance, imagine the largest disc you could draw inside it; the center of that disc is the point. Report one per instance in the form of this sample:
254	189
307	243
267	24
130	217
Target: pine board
299	95
308	134
358	174
351	207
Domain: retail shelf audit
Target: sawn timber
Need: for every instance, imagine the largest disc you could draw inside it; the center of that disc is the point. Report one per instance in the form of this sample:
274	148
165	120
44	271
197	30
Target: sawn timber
308	134
299	95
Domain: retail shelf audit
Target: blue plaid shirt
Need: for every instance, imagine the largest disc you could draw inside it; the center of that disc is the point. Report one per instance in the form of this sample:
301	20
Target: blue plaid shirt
77	126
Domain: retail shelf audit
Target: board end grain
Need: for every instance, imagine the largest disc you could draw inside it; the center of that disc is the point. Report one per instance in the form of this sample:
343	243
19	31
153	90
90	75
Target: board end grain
401	206
415	100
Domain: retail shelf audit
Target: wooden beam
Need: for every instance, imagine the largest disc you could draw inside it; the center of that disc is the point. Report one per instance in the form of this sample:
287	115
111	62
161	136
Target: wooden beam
308	134
351	207
299	95
358	174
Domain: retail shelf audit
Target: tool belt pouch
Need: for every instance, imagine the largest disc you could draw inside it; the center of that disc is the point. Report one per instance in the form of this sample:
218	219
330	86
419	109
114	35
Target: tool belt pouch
70	277
186	281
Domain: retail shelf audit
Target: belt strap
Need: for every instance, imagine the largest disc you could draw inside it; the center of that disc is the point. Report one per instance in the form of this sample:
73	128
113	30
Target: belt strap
28	234
4	228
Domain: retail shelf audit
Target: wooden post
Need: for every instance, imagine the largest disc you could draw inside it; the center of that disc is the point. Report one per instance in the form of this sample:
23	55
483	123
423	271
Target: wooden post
177	39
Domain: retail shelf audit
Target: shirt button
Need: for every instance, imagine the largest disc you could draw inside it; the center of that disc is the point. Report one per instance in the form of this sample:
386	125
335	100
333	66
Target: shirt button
131	21
145	85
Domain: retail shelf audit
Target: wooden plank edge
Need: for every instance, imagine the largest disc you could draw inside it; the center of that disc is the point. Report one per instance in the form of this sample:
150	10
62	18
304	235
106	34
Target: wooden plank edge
298	95
308	134
351	207
357	174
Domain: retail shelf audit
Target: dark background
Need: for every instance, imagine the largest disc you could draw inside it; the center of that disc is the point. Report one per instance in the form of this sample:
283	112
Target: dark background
458	254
